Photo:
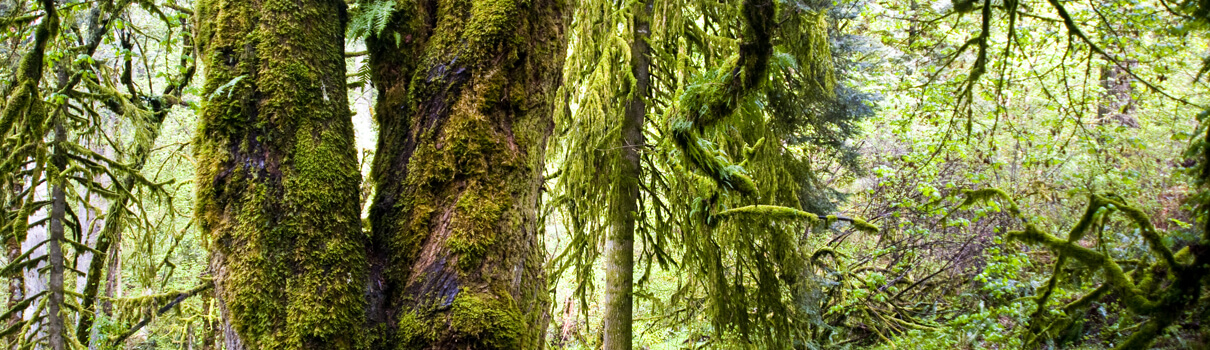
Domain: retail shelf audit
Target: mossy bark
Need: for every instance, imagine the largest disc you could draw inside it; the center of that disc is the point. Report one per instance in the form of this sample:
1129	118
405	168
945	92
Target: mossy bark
277	178
624	199
464	112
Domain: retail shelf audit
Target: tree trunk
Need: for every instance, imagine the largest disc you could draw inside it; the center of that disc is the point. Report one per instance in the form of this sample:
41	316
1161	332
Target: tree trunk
12	250
113	275
34	274
56	328
277	174
464	111
624	200
1117	103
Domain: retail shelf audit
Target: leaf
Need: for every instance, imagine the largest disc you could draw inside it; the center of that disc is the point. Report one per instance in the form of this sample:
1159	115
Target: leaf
228	87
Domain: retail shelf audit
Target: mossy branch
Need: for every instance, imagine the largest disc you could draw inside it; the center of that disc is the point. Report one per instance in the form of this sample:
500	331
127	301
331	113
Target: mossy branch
771	212
718	94
177	298
1133	297
1186	281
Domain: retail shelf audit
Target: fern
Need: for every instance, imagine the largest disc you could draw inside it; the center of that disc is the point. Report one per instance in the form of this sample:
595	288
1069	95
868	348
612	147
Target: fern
226	88
369	17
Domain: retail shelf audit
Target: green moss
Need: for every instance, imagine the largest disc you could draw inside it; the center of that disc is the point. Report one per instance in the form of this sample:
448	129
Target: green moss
472	321
1165	289
464	124
413	331
474	228
277	175
773	212
492	322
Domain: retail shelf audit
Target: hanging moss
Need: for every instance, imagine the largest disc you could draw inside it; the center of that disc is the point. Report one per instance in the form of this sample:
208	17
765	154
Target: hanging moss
718	94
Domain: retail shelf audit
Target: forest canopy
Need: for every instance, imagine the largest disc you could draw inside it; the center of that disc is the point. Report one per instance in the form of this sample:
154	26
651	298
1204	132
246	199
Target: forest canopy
650	174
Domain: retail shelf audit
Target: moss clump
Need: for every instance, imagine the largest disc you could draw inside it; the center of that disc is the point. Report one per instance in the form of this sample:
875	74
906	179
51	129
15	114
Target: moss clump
479	210
490	321
473	321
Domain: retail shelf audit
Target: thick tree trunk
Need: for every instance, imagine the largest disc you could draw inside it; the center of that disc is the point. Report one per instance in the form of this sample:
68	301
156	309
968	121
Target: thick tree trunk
624	201
464	111
277	174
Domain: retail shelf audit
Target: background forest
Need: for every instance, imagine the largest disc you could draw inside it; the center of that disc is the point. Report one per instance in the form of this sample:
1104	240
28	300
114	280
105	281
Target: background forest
785	174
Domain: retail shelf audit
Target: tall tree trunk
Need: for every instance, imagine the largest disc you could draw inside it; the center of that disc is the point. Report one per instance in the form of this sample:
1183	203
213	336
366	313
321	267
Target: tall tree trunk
12	250
624	200
23	116
1117	103
56	327
113	276
35	245
277	174
464	111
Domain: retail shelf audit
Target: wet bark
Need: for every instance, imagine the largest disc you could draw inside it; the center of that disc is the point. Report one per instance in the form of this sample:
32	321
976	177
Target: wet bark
464	112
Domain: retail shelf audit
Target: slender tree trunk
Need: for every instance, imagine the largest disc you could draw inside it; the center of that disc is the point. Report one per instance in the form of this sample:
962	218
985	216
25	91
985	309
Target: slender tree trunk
464	111
12	250
624	201
34	274
277	174
113	276
55	325
1117	103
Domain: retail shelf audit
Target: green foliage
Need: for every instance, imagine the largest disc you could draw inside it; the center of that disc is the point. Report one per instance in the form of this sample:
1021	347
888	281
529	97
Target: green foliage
369	17
944	125
82	59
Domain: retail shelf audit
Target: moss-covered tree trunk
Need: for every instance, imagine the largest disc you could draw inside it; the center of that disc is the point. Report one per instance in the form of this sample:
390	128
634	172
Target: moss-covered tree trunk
624	199
277	177
464	111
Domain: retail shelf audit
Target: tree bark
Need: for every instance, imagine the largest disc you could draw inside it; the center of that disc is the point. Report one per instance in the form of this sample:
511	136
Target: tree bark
56	328
465	109
624	200
277	174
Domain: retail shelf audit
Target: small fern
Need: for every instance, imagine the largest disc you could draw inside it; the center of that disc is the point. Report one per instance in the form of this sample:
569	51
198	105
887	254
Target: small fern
362	76
227	88
369	17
